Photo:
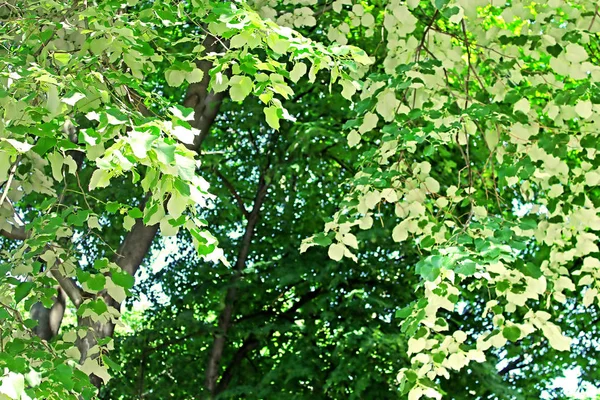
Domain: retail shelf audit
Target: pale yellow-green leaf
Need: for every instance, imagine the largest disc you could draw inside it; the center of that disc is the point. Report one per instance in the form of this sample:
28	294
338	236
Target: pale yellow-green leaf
353	138
98	45
21	147
115	291
432	185
491	138
360	56
387	104
61	58
157	216
412	3
277	44
240	87
583	108
100	179
5	165
336	251
13	385
456	18
555	337
238	40
219	83
73	99
176	205
272	116
69	336
93	222
53	101
195	75
178	114
183	134
56	162
522	105
175	78
589	296
91	366
348	89
367	20
369	123
298	71
266	97
366	222
400	232
128	222
576	53
166	229
350	240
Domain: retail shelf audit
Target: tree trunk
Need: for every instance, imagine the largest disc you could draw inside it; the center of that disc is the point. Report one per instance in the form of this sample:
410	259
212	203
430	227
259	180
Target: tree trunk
137	242
214	360
49	319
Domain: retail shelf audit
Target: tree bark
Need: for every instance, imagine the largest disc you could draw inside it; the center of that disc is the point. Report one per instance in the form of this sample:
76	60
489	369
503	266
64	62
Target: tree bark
214	360
49	319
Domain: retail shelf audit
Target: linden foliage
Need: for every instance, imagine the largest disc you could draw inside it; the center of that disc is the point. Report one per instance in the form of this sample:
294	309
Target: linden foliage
82	66
509	86
512	87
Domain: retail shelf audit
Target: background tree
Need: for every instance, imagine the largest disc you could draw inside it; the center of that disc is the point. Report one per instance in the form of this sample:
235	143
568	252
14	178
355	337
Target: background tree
463	147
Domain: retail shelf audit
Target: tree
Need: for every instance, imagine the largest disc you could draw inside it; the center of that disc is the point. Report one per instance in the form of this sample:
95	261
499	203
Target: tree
470	131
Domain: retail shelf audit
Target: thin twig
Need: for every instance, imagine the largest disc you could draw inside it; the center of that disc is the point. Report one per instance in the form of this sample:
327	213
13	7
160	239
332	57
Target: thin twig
233	192
594	17
13	170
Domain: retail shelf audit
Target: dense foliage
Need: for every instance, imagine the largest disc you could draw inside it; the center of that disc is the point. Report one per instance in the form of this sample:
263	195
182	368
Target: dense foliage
361	199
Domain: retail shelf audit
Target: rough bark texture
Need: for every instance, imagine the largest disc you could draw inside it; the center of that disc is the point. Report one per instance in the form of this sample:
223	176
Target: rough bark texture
204	103
49	319
214	361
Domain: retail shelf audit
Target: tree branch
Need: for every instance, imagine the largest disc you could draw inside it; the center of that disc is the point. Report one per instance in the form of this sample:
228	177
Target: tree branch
252	342
514	364
206	106
249	344
68	285
204	103
234	193
214	361
16	233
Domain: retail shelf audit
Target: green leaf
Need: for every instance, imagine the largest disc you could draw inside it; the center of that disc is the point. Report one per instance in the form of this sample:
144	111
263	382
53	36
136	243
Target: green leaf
64	374
512	333
96	282
4	314
123	279
404	312
532	270
439	4
22	290
467	268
